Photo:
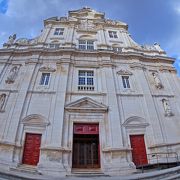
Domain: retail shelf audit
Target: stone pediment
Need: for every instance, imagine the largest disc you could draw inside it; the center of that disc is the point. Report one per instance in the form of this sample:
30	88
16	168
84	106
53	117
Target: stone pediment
124	72
47	69
35	120
135	122
86	104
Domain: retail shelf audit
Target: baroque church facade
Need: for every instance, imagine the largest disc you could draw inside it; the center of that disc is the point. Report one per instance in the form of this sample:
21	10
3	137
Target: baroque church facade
85	95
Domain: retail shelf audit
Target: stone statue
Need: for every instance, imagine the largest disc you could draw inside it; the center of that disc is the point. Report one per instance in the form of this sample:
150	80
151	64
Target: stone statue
11	39
158	47
2	101
157	81
167	108
12	75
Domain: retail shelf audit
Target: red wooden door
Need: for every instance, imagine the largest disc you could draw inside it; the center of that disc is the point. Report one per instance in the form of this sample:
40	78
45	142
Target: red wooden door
31	149
139	155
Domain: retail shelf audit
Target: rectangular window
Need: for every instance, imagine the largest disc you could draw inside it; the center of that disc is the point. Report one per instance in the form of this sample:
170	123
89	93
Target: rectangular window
45	79
86	44
54	46
117	49
113	34
86	80
125	80
59	31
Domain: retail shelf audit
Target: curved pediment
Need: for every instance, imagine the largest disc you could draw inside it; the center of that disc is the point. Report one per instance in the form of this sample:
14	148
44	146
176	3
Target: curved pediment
35	120
86	36
86	104
135	121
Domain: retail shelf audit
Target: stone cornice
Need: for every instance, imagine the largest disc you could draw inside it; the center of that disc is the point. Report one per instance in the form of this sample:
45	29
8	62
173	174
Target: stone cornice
42	91
130	94
163	95
87	93
110	149
46	51
164	145
53	148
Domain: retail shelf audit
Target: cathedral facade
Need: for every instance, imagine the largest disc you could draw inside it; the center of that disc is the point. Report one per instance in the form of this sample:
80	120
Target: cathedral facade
84	95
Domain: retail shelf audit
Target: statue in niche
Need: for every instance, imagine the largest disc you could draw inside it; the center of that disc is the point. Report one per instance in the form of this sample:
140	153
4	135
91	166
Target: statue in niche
167	108
12	75
2	101
11	39
157	81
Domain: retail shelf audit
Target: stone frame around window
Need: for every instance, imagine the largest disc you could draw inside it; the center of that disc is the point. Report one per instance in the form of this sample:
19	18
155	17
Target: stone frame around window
126	81
59	32
86	44
125	73
112	34
45	79
84	84
44	69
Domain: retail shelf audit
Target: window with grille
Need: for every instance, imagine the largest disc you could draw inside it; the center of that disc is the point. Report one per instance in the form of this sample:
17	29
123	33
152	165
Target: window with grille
45	79
59	31
86	44
113	34
125	81
86	80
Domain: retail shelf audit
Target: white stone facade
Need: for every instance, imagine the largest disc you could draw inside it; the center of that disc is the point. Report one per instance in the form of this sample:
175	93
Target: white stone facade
146	101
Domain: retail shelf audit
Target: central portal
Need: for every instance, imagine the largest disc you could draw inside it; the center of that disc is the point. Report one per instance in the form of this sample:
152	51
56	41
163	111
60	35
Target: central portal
86	146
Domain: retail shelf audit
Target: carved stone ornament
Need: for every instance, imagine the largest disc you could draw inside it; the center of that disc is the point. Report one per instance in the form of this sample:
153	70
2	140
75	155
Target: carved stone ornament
12	75
167	108
2	102
22	41
157	81
47	69
86	24
124	72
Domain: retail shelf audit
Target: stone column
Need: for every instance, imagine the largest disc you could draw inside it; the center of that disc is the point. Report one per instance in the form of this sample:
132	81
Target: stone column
12	123
51	155
156	135
115	155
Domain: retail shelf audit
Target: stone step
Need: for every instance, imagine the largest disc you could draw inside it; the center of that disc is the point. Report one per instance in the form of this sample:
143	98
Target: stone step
173	177
87	173
25	169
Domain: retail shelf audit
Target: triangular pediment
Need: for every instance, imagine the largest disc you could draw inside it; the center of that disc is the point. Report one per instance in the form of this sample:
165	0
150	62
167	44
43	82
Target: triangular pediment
86	104
124	72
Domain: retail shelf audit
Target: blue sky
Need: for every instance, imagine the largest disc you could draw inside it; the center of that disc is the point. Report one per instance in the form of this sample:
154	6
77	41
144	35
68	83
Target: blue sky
149	20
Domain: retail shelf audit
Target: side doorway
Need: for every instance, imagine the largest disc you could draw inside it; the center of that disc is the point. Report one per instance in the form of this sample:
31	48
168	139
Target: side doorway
139	155
31	149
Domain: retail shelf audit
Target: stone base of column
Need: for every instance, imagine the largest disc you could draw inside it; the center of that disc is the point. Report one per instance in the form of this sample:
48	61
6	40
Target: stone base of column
120	169
55	169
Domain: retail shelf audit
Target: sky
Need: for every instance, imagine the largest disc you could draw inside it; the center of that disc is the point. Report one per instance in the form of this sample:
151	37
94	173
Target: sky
149	21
